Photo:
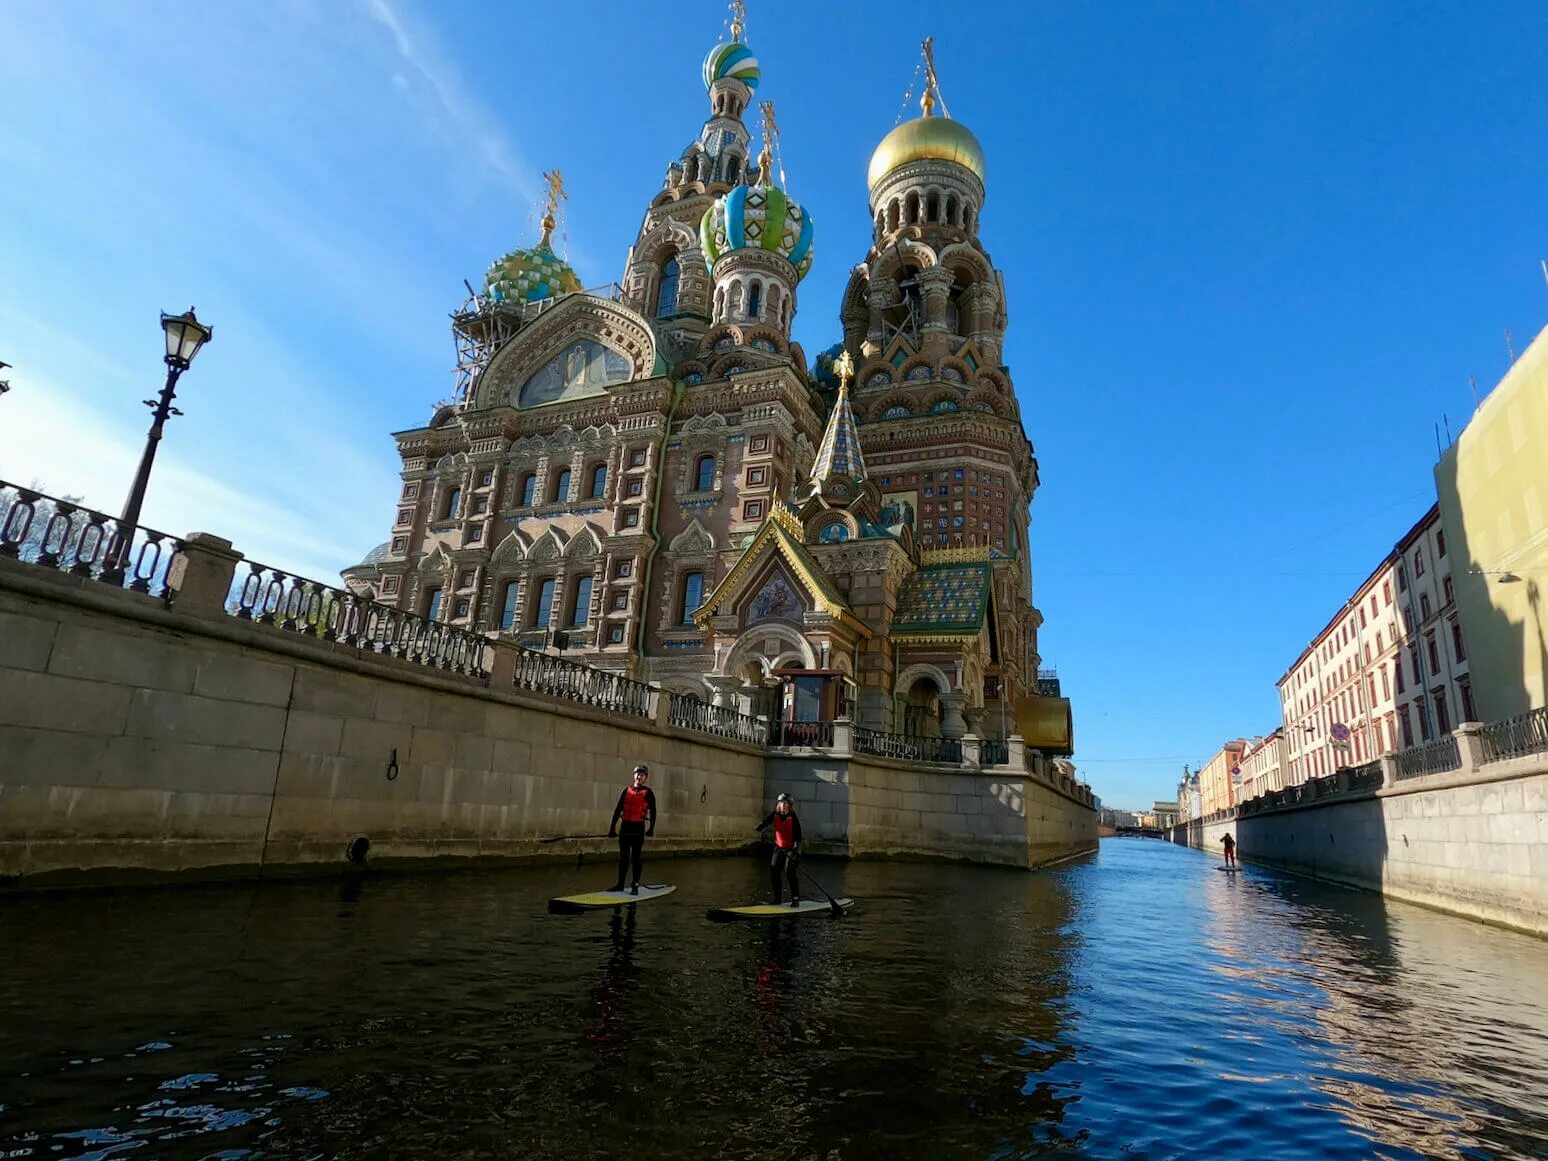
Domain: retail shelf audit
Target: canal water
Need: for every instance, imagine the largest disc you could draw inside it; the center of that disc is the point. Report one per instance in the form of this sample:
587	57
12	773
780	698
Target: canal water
1139	1003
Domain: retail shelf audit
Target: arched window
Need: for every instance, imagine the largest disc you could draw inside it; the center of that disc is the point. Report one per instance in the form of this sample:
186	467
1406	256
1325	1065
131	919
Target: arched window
933	207
693	597
580	604
704	474
528	490
598	481
561	486
508	608
753	299
666	298
733	169
453	503
545	604
944	406
897	411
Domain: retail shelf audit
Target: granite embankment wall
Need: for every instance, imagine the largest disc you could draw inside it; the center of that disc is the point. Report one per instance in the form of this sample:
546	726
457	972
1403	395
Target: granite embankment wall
1473	841
139	738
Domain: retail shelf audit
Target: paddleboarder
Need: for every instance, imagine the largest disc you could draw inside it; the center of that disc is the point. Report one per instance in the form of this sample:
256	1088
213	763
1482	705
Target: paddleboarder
1230	850
787	848
634	820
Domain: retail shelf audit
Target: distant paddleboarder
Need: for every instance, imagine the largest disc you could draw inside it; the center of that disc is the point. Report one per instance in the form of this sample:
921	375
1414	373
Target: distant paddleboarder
787	849
634	820
1230	850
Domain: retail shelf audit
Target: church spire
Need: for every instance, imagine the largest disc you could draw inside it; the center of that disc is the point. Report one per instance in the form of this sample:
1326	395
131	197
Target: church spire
838	457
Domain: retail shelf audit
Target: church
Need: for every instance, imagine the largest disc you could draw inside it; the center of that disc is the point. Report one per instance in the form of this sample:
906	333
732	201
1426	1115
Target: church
653	479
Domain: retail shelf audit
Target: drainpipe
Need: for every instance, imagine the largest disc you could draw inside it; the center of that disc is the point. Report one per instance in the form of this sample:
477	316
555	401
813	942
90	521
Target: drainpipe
649	569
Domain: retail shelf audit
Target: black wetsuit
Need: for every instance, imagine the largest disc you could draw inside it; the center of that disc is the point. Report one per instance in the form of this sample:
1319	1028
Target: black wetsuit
634	808
786	857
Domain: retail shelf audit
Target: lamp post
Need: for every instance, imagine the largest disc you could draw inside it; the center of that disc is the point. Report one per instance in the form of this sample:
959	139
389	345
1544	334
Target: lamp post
185	335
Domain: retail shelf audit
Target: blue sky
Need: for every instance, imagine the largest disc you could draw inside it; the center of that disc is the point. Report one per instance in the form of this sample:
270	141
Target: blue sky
1252	251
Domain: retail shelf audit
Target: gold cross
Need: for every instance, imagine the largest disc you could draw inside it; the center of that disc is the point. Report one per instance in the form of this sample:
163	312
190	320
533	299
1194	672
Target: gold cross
556	194
738	19
844	368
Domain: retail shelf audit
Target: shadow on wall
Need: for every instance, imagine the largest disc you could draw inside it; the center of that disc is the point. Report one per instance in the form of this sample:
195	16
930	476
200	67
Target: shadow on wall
820	792
1347	843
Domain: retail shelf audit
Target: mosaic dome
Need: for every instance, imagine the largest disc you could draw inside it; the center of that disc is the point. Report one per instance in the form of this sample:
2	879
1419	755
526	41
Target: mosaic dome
732	60
937	138
530	276
757	217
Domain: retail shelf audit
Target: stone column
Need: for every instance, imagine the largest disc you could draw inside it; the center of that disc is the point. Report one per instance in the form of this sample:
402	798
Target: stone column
502	664
201	574
1470	746
952	724
935	287
882	293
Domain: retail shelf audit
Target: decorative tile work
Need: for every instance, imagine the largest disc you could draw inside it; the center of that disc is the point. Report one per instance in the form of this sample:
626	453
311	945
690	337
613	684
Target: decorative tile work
950	598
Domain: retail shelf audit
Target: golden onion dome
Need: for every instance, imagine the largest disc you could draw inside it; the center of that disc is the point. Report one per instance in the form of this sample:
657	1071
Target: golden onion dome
937	138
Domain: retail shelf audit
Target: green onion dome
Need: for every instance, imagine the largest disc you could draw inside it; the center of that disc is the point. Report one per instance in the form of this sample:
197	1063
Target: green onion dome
758	217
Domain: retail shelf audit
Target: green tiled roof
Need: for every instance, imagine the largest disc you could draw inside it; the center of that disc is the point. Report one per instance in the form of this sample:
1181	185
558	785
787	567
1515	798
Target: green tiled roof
944	598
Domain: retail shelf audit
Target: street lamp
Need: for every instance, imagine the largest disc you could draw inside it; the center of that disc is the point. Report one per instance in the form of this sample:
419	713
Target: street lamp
185	335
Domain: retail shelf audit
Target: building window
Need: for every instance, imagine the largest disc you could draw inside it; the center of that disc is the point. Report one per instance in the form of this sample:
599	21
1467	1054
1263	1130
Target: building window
620	602
704	474
389	584
1442	717
615	635
1408	620
480	505
636	487
1435	665
598	481
580	604
631	518
759	443
692	597
1456	643
561	487
757	476
1424	607
1386	686
545	604
666	298
453	503
528	490
411	491
1418	563
475	534
465	578
433	605
508	606
754	299
637	458
462	608
1440	542
1386	592
1362	616
1465	695
399	545
625	569
1446	588
405	515
1397	671
1402	579
752	510
485	479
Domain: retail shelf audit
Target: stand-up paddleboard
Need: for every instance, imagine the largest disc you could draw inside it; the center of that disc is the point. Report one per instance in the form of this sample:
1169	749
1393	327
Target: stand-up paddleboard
594	899
1232	870
801	910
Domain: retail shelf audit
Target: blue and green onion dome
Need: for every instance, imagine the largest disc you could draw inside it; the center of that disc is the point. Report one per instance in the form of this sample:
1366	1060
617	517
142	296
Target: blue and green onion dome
530	276
757	217
733	60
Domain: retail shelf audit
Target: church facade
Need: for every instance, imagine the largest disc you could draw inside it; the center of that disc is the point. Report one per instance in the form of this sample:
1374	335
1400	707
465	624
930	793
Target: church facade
655	480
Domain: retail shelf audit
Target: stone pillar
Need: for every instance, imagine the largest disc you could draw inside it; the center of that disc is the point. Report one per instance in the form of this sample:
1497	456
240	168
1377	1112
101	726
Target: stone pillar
1470	746
843	738
201	574
952	724
1016	752
502	664
883	292
935	287
1389	768
663	709
972	752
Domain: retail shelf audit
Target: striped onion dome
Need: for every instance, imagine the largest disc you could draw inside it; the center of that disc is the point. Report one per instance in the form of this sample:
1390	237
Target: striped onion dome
734	60
530	276
839	453
757	217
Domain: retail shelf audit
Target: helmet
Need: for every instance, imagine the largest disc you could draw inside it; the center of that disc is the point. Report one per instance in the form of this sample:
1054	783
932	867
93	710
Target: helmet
783	797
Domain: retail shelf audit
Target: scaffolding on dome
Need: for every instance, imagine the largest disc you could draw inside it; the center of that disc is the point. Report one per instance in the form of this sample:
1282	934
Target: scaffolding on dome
482	325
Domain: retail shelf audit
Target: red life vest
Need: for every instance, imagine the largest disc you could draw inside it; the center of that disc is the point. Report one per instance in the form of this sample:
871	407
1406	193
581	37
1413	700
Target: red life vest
784	830
635	804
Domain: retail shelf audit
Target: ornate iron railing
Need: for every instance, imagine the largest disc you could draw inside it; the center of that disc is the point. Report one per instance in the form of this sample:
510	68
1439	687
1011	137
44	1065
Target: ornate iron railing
909	747
52	533
267	596
692	713
1512	737
541	673
1434	758
993	752
815	735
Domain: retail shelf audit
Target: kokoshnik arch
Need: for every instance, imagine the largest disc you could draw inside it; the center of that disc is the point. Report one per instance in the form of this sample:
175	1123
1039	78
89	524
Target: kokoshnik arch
648	479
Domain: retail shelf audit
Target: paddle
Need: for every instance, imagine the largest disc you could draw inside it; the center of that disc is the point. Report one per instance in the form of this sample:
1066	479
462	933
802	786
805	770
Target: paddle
838	912
559	838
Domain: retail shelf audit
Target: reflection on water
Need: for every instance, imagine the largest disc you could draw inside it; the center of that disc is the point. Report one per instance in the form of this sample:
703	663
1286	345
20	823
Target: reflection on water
1137	1003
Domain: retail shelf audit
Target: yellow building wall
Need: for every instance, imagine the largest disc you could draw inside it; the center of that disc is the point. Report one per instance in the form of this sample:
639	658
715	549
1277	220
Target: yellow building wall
1215	790
1493	490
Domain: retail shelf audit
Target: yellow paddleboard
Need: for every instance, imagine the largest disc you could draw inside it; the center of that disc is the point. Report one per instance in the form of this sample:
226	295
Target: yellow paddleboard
806	907
594	899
